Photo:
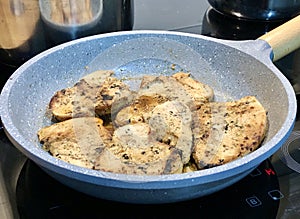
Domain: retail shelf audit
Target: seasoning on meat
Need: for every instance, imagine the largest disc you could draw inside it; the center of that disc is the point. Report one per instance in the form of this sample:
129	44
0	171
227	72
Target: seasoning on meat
229	130
92	96
180	87
169	125
155	90
133	150
78	141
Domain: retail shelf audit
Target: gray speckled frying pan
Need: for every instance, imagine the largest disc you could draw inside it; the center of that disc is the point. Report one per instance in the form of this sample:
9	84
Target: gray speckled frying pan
234	69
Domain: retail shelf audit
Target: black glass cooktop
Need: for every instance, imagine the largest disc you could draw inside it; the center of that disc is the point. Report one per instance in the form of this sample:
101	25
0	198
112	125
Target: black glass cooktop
40	196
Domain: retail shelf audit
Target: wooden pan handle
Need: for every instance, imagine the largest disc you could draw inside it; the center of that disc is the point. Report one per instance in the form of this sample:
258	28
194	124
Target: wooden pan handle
284	39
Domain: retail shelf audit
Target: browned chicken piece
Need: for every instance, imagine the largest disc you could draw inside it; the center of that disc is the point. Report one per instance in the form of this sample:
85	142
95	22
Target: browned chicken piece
111	92
138	110
135	151
155	90
200	92
92	96
78	141
227	131
180	87
166	86
171	123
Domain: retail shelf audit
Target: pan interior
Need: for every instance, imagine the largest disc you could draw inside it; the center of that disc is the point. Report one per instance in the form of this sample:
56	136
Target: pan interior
230	72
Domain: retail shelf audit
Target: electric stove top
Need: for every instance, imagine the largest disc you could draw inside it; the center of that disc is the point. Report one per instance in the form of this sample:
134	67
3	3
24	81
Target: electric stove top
271	191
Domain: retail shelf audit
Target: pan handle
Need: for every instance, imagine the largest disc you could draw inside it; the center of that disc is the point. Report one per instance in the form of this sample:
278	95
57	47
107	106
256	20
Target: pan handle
284	39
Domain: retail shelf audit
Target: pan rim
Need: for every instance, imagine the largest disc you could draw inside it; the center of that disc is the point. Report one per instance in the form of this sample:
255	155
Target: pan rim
206	175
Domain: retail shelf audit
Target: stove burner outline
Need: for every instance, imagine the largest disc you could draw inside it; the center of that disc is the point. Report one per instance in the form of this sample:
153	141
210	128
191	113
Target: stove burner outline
284	152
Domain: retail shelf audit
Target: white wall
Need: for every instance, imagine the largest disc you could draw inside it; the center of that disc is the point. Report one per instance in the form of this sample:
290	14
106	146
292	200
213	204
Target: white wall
160	14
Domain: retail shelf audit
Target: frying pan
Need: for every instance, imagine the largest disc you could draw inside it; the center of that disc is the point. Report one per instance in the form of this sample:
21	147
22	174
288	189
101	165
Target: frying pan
232	68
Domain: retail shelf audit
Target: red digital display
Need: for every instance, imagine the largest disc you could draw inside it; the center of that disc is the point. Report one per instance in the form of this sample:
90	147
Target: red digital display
269	171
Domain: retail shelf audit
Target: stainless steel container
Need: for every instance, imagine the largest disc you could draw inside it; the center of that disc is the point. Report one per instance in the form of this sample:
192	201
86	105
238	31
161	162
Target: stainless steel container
258	9
31	26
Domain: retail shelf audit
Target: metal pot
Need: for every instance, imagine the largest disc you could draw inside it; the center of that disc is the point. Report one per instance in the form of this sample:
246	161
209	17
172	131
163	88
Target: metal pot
233	68
29	27
258	9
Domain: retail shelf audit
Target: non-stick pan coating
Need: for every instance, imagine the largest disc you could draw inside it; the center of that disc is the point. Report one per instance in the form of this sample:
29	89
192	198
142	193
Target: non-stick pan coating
230	72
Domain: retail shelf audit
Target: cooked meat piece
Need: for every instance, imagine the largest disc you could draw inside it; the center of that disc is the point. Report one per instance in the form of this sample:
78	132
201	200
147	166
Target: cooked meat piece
135	151
78	101
62	104
112	91
189	167
227	131
168	87
171	123
200	92
180	87
77	141
93	94
155	90
138	110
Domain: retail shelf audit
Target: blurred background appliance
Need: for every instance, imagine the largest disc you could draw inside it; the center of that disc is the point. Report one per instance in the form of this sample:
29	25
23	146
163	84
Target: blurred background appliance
28	27
257	9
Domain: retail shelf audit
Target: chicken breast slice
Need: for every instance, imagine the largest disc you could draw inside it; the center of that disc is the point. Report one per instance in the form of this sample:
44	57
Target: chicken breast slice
227	131
180	86
135	151
200	92
138	110
168	87
92	96
171	123
78	141
155	90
